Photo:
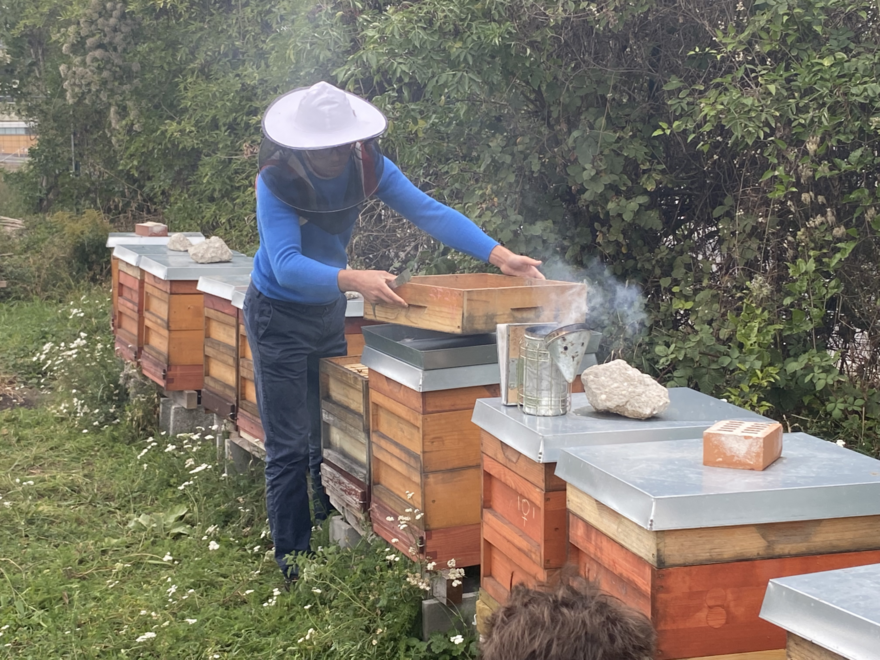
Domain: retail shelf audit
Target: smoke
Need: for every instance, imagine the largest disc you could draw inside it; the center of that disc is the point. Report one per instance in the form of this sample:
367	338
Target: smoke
612	305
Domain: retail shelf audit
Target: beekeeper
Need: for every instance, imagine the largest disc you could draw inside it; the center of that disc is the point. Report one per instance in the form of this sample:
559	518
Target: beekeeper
319	162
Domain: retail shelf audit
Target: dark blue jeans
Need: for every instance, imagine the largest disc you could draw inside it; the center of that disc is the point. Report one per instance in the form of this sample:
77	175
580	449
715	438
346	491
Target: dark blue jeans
287	341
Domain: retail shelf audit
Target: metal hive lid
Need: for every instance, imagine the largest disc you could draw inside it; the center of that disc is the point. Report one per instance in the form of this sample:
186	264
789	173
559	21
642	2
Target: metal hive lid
837	610
664	485
237	299
130	238
542	438
434	380
223	286
180	266
132	254
354	307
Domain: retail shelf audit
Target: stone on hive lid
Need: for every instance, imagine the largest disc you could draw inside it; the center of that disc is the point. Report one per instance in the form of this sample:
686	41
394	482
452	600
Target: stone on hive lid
179	243
212	251
619	388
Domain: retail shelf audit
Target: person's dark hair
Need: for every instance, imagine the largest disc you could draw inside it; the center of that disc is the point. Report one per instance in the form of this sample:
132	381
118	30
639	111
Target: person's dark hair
575	621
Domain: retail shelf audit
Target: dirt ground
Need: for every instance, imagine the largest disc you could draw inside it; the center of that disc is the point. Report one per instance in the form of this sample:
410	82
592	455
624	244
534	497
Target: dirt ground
13	396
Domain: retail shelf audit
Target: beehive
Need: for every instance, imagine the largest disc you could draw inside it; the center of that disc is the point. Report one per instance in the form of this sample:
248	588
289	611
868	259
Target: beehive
425	456
524	518
693	547
128	298
220	384
834	615
129	240
174	317
345	435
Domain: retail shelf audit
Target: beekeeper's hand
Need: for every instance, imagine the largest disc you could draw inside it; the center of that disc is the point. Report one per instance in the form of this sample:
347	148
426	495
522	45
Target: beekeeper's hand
515	265
371	284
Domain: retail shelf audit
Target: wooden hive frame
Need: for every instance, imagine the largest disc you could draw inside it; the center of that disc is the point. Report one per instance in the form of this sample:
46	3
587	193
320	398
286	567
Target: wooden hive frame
220	374
425	455
174	333
703	588
128	311
524	520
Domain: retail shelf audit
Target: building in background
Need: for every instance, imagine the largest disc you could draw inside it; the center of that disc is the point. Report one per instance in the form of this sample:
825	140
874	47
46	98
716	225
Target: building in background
16	137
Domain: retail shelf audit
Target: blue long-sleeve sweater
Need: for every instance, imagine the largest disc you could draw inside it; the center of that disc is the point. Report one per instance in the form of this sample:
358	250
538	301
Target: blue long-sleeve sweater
300	263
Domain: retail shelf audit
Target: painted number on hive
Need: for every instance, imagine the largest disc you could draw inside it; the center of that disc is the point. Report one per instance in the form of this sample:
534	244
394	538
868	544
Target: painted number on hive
525	508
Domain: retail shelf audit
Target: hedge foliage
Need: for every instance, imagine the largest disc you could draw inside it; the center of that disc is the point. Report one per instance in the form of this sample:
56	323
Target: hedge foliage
710	167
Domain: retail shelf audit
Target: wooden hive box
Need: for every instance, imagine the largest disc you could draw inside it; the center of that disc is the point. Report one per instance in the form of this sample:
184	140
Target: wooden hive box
524	517
128	321
174	317
174	333
220	375
476	302
114	294
425	455
128	247
247	418
345	435
128	298
694	547
834	615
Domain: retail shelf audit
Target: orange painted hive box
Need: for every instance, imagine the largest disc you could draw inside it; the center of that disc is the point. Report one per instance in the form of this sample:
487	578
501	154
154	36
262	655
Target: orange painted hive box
425	457
694	547
174	317
220	369
524	519
345	435
126	248
476	302
128	297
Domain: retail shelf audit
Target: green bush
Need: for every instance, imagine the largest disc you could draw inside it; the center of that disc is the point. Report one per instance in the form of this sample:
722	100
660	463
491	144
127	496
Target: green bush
719	158
56	255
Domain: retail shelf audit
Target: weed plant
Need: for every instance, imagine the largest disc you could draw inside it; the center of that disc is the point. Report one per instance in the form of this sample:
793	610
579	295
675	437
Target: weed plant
118	541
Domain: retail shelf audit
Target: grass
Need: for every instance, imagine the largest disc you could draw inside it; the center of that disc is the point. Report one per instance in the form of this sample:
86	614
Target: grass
119	542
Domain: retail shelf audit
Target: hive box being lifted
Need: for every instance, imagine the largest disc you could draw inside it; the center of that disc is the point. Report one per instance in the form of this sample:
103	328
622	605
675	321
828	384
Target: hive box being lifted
693	547
524	519
828	615
475	303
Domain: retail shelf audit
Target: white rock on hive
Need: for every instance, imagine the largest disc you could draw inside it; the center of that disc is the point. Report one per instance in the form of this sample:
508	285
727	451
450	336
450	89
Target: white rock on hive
212	251
179	243
619	388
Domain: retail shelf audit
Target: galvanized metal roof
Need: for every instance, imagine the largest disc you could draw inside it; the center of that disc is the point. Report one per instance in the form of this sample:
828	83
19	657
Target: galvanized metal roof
837	610
664	485
542	438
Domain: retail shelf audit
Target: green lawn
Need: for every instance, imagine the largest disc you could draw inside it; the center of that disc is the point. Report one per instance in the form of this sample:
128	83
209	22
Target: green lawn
116	541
